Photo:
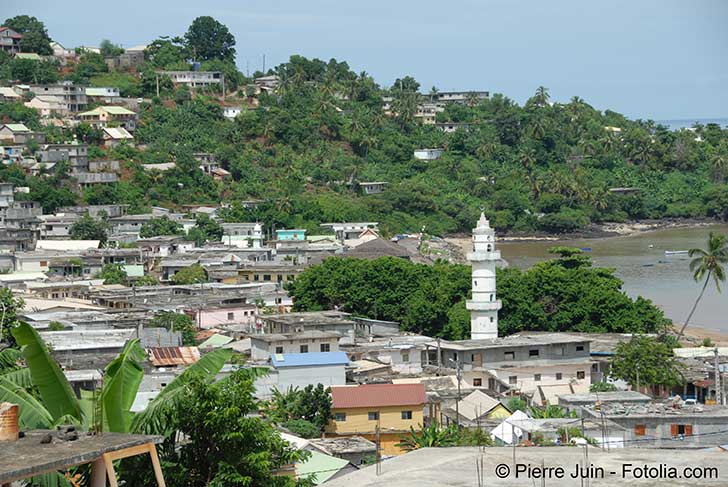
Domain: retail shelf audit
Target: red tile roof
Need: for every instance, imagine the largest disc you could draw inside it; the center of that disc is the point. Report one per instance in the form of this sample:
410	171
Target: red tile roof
378	395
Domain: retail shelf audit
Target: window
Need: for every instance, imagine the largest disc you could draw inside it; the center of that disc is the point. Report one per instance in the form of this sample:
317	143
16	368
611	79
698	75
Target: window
279	350
681	429
509	355
491	319
559	351
513	379
477	382
537	377
231	316
533	353
580	374
340	416
640	430
304	348
559	376
44	263
325	347
405	357
266	277
406	414
580	348
373	415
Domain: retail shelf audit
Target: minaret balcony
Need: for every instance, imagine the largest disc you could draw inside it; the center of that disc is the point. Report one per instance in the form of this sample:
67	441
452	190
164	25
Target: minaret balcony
483	305
480	256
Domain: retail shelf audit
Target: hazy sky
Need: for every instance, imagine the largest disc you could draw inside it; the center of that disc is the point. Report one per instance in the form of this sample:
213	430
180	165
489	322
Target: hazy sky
657	59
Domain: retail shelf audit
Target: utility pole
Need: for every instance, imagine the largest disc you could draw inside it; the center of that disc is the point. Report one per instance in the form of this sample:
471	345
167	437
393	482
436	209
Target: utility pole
379	451
718	392
458	375
157	77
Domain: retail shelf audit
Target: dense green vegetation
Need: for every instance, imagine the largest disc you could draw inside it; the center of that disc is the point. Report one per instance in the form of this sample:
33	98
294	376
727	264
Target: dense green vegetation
538	167
647	361
563	294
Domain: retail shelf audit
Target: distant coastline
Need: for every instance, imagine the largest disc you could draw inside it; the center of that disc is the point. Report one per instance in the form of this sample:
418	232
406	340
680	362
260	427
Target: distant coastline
677	124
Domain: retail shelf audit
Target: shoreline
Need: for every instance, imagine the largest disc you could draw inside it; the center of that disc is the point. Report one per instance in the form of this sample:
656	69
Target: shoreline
612	229
694	336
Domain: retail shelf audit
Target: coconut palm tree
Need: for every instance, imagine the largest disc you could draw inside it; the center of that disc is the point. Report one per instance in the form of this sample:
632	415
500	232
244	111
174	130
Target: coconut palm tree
708	263
542	96
719	164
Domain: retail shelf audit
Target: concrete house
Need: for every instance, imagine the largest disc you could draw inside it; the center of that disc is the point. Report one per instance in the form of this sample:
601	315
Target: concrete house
104	95
523	362
373	187
69	97
428	154
10	40
221	316
194	79
263	346
75	153
113	136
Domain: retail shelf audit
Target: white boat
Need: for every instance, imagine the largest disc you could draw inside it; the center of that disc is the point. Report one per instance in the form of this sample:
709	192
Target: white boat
677	252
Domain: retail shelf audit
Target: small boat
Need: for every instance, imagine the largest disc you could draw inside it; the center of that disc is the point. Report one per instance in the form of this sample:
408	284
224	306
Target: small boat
585	249
648	265
676	252
651	246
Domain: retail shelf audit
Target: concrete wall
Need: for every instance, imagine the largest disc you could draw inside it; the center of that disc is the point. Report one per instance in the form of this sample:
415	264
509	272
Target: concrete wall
261	350
526	381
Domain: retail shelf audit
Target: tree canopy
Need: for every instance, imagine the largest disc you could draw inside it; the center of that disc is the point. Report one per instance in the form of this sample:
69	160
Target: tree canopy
209	39
35	36
646	361
564	294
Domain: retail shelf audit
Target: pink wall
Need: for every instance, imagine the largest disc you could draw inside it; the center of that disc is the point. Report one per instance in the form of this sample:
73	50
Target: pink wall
211	318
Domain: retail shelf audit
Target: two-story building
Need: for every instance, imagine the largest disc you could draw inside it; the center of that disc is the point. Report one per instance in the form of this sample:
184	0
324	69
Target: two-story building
102	116
10	40
523	362
75	153
194	79
384	410
263	346
69	97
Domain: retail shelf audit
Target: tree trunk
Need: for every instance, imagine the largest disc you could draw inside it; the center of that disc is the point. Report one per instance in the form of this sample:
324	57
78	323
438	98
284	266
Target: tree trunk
700	296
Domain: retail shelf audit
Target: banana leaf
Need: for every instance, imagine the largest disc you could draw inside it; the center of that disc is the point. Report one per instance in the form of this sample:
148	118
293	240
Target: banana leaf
152	419
32	414
121	384
55	391
20	377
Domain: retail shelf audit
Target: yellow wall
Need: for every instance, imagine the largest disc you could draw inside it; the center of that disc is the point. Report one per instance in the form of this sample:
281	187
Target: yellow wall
390	418
499	412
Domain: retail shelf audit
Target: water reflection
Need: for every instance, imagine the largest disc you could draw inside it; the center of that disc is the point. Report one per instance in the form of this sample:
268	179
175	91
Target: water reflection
640	261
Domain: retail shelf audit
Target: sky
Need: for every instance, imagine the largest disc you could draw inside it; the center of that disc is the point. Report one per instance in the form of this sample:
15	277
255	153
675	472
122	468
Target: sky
649	59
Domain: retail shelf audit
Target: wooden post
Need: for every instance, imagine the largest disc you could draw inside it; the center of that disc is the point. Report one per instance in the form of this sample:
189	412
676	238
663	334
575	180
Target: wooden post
98	473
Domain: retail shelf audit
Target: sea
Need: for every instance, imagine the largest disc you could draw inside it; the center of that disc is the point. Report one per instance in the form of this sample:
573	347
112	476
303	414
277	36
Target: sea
689	122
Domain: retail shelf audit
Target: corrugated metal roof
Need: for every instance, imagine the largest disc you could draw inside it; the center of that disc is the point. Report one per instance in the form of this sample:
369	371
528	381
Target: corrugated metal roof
17	127
166	356
117	133
378	395
309	359
67	244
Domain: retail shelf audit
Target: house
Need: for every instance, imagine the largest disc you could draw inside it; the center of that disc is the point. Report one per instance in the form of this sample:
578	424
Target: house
385	411
573	402
88	179
48	106
336	321
9	94
665	425
243	234
130	58
57	226
428	154
524	362
402	354
355	449
10	40
194	79
474	409
302	369
450	127
231	112
18	133
61	53
267	272
461	97
378	247
69	97
102	116
347	231
104	166
291	234
75	153
263	346
221	316
373	187
30	56
270	81
113	136
103	95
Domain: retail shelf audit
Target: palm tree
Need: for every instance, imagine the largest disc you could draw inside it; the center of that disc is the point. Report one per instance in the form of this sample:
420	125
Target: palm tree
719	164
542	96
708	263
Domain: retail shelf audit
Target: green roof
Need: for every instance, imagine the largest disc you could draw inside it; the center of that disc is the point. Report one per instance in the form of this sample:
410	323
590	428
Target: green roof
322	466
95	111
114	110
28	55
17	127
134	270
90	91
215	341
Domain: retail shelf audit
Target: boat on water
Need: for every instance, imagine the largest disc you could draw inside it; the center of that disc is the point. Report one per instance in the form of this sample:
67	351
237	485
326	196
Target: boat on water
677	252
585	249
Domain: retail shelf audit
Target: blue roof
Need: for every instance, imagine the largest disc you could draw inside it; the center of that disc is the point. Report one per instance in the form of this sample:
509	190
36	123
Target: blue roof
314	358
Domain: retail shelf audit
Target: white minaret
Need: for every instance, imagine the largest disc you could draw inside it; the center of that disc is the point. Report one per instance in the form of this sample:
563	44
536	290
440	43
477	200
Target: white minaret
484	306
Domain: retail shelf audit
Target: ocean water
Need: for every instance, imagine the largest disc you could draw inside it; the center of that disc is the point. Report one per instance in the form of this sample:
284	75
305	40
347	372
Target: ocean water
689	122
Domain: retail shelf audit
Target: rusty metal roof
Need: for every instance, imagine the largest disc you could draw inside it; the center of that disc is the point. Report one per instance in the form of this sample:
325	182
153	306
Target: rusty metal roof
168	356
